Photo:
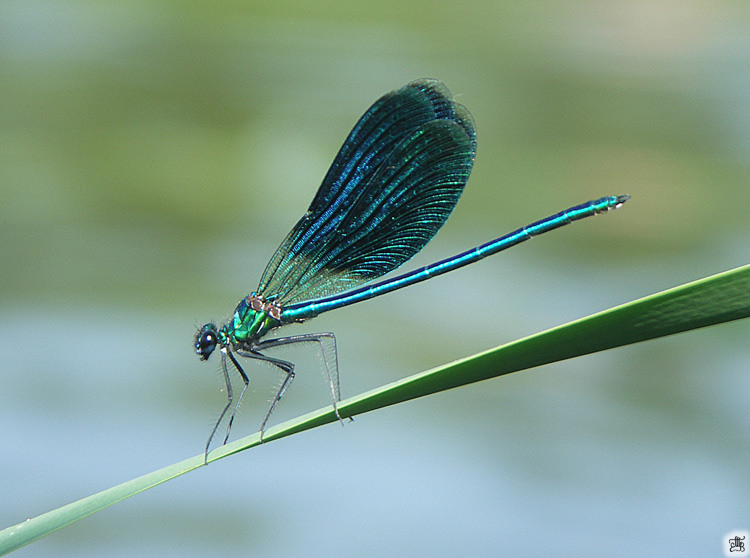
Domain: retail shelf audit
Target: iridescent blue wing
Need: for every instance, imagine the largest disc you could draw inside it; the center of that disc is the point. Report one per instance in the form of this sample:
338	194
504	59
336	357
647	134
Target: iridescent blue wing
393	184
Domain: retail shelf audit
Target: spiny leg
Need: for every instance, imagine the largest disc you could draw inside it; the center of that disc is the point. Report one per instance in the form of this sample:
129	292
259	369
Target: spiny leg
230	395
333	376
239	399
286	367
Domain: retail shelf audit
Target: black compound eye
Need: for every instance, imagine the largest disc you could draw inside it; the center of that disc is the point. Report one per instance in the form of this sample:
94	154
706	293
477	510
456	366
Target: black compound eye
206	341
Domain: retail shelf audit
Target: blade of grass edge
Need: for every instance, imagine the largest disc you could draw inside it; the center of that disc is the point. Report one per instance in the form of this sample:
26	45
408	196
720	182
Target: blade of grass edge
713	300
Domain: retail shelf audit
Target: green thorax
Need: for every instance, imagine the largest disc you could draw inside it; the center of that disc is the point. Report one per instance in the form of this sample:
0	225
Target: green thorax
252	319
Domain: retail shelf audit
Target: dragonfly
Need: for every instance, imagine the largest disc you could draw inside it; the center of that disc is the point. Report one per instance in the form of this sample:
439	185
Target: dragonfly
392	185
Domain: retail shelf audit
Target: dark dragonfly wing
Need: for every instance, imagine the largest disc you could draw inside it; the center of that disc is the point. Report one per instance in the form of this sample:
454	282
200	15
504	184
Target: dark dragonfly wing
393	184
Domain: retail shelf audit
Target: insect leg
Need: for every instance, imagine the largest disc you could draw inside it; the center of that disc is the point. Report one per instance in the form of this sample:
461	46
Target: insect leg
330	358
286	367
230	395
237	405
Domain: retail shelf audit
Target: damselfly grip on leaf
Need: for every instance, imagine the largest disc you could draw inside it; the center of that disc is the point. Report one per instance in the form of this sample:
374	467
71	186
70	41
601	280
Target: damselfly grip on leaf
393	184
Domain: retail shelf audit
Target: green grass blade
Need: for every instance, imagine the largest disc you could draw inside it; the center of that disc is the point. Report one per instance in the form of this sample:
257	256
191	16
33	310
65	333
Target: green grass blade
13	538
717	299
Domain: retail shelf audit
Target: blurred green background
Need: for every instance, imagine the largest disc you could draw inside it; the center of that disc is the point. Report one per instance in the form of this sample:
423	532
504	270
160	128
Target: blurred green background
154	154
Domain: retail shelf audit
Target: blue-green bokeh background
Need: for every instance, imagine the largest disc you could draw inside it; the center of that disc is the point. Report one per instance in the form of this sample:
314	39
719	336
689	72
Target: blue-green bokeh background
154	154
